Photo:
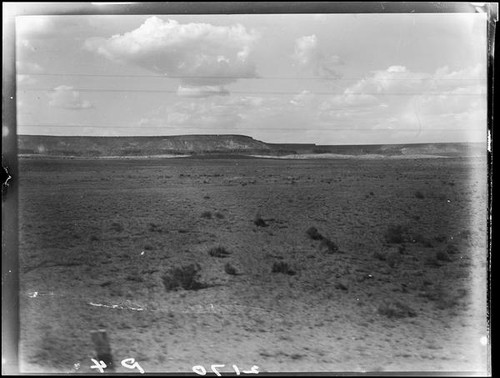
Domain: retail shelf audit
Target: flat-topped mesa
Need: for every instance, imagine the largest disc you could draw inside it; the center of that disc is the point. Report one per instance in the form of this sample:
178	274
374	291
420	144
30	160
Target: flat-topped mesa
231	145
139	146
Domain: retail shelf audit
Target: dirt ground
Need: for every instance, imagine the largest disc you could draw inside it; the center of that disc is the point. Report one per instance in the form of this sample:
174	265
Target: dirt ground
400	287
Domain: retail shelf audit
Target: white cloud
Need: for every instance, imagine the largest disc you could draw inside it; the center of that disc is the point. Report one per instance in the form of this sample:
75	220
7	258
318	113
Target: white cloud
27	45
200	54
66	97
201	91
446	103
309	56
26	61
399	80
306	50
26	79
395	80
349	100
453	101
302	99
440	106
29	68
221	114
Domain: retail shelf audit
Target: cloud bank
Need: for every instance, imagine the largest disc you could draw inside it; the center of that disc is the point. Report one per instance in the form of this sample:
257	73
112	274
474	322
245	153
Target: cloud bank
416	104
386	106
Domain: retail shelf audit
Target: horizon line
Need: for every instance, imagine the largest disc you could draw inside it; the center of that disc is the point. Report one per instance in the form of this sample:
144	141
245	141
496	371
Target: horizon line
247	136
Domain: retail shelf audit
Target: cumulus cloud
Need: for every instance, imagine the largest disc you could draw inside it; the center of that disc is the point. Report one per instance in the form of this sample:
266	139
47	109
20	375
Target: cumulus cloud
308	56
66	97
200	54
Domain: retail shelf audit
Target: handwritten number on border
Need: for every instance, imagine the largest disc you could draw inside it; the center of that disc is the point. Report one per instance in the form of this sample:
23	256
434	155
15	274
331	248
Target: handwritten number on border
100	365
131	363
198	369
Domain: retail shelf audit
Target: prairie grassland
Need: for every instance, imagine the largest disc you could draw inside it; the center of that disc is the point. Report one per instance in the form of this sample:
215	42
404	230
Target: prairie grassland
197	262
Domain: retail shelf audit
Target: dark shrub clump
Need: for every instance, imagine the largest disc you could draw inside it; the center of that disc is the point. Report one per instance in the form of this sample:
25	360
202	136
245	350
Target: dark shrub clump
379	255
452	249
443	256
393	259
418	238
341	286
328	246
432	261
115	226
396	234
440	238
444	299
230	269
153	227
419	194
259	222
282	267
313	233
185	277
206	215
219	252
396	309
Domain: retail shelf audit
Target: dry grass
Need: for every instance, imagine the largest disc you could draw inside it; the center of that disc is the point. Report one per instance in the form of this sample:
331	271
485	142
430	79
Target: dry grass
312	304
393	308
444	298
393	259
418	238
117	227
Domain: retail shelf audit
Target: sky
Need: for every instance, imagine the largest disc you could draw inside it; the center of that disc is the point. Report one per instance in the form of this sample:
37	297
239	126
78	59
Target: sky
291	78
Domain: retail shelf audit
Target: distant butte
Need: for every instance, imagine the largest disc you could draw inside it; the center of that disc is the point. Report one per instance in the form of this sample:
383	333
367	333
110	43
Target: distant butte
225	145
